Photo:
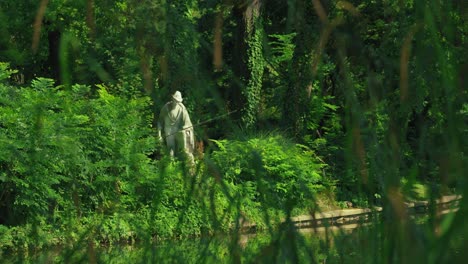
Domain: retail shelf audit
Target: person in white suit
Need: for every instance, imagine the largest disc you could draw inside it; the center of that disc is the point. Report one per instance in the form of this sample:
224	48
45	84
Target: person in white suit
174	121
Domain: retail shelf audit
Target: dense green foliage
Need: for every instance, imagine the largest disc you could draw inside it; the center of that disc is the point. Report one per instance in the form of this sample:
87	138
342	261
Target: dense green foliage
76	162
278	171
368	98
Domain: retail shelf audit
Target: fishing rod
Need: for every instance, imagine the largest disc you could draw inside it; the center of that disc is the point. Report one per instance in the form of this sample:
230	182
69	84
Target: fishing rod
203	122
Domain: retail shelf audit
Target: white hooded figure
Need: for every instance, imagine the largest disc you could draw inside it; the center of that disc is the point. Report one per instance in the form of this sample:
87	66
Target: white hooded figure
175	122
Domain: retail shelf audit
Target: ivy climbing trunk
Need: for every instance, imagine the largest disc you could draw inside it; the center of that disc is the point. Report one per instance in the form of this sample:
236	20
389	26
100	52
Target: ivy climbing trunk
248	62
255	63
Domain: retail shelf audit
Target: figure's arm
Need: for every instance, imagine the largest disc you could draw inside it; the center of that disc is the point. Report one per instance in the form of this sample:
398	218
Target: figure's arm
161	122
188	127
159	135
186	123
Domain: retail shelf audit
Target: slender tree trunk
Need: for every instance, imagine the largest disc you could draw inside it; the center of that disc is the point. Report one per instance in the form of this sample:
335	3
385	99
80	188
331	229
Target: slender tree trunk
234	95
297	97
247	62
53	60
255	64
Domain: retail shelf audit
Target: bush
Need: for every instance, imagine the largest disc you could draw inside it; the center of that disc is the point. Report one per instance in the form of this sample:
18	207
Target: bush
271	170
65	151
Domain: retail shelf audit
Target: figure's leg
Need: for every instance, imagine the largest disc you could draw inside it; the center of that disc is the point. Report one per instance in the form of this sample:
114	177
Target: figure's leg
179	141
170	141
188	145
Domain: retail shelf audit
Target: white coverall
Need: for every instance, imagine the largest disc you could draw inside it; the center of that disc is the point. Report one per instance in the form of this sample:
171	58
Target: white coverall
178	129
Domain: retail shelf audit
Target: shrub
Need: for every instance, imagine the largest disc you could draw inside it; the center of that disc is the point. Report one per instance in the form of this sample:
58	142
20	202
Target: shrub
271	170
65	151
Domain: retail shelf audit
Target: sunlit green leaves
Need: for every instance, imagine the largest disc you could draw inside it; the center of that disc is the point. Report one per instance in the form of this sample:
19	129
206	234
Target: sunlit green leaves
278	170
5	71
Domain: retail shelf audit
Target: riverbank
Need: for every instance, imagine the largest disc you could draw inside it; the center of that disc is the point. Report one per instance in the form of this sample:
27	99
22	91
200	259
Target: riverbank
353	217
317	223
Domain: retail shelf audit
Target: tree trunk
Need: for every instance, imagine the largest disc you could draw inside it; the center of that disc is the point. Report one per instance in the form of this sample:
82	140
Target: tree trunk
248	63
